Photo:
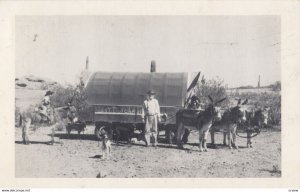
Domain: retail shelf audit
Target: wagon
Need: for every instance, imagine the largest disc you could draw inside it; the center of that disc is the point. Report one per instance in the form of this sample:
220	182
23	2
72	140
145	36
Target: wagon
117	99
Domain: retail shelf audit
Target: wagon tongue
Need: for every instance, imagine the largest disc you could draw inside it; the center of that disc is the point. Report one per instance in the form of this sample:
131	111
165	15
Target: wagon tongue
194	82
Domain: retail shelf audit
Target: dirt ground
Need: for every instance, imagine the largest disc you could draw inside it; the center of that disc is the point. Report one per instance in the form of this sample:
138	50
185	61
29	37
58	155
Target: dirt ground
80	157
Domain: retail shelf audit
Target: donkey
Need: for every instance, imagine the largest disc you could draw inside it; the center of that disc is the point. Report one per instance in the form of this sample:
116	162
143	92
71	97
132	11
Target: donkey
35	118
260	117
255	121
228	123
199	121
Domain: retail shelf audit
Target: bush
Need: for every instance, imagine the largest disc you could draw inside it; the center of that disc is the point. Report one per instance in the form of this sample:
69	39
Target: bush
213	87
276	86
75	95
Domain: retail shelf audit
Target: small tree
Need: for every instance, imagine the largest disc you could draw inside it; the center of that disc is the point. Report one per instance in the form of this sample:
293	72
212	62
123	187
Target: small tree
276	86
74	95
213	87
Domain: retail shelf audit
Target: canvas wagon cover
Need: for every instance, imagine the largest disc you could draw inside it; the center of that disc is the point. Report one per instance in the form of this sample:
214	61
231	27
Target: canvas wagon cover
106	88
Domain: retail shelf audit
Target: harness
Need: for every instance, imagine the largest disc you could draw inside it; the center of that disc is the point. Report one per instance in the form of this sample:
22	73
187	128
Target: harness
190	117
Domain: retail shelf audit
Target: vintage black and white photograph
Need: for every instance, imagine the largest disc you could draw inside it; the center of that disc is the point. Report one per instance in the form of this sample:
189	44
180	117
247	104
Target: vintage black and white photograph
148	96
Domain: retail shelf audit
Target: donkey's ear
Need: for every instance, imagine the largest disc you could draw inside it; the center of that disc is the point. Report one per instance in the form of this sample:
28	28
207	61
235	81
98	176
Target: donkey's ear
221	100
211	100
239	102
245	102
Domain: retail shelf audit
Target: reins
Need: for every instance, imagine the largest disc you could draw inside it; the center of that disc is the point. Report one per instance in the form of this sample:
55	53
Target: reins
257	133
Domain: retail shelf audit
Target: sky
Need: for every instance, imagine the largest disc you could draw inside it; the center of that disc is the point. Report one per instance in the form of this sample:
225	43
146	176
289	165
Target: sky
237	49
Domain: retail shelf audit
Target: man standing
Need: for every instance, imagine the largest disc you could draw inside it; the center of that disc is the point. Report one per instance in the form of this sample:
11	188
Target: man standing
151	117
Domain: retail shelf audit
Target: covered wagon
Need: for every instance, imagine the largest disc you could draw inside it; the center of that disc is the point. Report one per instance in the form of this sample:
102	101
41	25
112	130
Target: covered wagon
117	99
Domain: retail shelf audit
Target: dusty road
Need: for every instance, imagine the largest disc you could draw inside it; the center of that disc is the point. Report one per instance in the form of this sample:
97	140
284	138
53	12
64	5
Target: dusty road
81	158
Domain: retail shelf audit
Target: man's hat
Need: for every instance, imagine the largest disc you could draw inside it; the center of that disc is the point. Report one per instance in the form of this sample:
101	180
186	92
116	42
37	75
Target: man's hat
49	93
151	92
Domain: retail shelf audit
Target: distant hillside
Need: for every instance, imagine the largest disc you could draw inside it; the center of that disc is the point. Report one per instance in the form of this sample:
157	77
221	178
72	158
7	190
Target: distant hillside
250	90
33	82
275	87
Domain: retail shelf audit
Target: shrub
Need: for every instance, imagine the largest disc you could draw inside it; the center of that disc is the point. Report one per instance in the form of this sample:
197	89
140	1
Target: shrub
213	87
75	95
276	86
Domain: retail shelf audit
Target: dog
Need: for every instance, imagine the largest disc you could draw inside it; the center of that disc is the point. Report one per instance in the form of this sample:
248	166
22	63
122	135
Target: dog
105	145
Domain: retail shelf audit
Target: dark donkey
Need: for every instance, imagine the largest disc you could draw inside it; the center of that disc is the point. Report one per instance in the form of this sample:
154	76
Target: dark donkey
255	121
228	123
199	121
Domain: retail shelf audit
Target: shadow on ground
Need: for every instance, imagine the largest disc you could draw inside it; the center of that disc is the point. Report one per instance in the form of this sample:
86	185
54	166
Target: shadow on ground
38	142
274	171
75	136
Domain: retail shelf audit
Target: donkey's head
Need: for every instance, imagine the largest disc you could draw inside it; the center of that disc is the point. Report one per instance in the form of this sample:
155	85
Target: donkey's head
212	110
237	113
262	115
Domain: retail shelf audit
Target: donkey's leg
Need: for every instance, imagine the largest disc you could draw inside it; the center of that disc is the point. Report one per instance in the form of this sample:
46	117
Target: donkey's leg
212	137
234	137
205	139
224	138
229	136
180	131
52	134
107	152
249	139
201	138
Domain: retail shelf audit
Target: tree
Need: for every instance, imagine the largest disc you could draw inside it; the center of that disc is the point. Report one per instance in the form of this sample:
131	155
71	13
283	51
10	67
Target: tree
213	87
74	95
276	86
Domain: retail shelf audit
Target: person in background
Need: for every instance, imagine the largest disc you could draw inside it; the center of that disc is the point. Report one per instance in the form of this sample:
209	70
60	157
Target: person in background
194	103
72	113
46	104
151	117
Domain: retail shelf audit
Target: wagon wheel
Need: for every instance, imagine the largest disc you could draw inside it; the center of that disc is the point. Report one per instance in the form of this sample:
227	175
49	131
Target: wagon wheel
170	134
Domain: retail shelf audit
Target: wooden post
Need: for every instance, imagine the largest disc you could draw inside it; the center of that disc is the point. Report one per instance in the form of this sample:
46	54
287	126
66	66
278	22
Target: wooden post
153	66
87	63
